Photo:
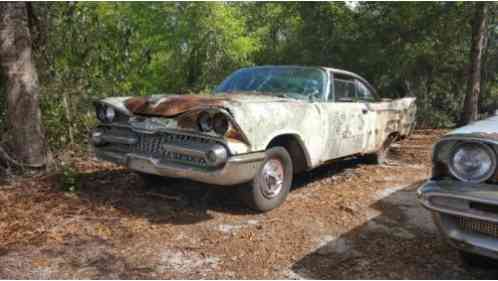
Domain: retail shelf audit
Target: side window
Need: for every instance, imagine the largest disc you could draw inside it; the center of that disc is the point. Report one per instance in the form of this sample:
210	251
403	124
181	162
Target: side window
363	93
344	90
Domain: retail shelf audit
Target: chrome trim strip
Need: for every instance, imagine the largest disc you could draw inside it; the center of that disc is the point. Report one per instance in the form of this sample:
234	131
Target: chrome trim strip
164	130
184	150
467	138
117	139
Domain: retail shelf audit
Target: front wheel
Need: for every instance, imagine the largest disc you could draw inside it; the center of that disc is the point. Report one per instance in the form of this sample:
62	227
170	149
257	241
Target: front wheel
272	183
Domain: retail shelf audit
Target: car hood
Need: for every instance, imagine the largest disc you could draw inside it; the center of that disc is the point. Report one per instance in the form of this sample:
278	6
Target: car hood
487	129
257	117
172	105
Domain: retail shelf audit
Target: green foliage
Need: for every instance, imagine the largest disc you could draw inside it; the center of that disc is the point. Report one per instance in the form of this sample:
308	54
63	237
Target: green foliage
70	179
94	50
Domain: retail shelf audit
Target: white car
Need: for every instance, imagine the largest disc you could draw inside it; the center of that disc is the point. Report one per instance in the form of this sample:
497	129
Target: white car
462	193
261	126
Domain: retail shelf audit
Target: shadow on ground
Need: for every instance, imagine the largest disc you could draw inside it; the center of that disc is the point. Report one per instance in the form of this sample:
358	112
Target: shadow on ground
398	242
178	201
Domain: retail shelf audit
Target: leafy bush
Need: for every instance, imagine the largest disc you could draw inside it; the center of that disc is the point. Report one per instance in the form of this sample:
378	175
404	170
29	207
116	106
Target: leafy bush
121	49
70	179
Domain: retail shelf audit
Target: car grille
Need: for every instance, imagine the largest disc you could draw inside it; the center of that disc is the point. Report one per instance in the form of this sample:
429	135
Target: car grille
477	226
153	145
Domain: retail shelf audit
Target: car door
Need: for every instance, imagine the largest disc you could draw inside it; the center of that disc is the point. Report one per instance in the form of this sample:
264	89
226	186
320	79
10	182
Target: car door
346	122
365	97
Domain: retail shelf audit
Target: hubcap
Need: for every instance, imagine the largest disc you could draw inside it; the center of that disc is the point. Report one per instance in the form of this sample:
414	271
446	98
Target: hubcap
273	178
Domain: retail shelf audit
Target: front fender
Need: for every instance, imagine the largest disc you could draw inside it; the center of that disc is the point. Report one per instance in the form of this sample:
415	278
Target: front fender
263	122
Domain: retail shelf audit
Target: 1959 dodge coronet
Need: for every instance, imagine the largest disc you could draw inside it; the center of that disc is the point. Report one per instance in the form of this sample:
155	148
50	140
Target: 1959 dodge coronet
260	127
463	191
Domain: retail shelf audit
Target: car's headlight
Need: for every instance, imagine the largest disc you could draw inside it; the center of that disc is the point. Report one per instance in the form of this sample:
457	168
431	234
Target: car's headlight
205	122
472	162
220	123
110	113
105	114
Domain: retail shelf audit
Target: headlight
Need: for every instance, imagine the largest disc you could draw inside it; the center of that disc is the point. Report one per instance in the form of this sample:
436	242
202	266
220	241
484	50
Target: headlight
472	162
105	113
205	122
220	123
110	113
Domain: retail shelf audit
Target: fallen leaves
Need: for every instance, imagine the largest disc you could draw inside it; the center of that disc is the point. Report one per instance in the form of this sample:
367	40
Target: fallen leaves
114	225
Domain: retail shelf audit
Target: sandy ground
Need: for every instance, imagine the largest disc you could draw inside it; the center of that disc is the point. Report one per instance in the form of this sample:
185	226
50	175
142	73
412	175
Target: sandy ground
343	220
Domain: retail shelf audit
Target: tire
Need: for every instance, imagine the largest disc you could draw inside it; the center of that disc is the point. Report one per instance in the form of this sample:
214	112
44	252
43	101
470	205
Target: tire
257	194
472	260
379	157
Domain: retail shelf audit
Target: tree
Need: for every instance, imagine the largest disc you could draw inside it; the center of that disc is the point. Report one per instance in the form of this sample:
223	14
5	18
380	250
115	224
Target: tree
479	35
24	138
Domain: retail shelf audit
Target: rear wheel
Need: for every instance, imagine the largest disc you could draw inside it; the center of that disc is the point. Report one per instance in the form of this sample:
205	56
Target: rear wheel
272	183
379	157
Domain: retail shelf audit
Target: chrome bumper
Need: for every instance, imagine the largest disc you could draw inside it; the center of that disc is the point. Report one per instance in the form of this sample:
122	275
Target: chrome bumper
238	169
464	214
176	154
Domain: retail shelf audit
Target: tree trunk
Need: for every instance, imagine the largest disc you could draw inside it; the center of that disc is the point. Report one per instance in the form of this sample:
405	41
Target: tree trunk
24	137
479	33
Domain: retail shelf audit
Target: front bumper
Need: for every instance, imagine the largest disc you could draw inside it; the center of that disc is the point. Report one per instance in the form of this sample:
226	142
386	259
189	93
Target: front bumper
175	154
465	214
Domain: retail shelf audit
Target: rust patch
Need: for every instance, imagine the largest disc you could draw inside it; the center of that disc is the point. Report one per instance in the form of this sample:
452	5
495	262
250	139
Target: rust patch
168	106
234	134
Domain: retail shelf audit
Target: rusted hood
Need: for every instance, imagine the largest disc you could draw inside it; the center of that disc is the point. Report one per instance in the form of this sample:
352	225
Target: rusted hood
171	105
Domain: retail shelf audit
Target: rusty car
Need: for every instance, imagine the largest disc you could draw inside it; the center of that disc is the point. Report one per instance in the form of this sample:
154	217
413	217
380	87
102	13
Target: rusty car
261	126
462	193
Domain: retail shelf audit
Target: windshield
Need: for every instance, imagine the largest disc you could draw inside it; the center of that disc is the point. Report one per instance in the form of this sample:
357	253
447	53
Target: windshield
294	82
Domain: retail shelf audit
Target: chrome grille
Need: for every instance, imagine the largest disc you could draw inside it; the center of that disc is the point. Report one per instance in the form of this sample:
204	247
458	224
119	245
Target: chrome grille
153	145
478	226
149	145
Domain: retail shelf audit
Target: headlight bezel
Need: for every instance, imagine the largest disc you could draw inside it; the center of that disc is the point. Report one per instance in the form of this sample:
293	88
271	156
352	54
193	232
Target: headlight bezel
108	114
221	124
474	179
204	121
100	110
213	121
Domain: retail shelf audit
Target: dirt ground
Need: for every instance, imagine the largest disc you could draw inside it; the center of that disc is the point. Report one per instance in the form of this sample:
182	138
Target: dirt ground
345	220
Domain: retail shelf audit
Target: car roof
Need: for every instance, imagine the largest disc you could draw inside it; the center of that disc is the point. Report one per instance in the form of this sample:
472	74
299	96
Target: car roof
352	74
325	68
